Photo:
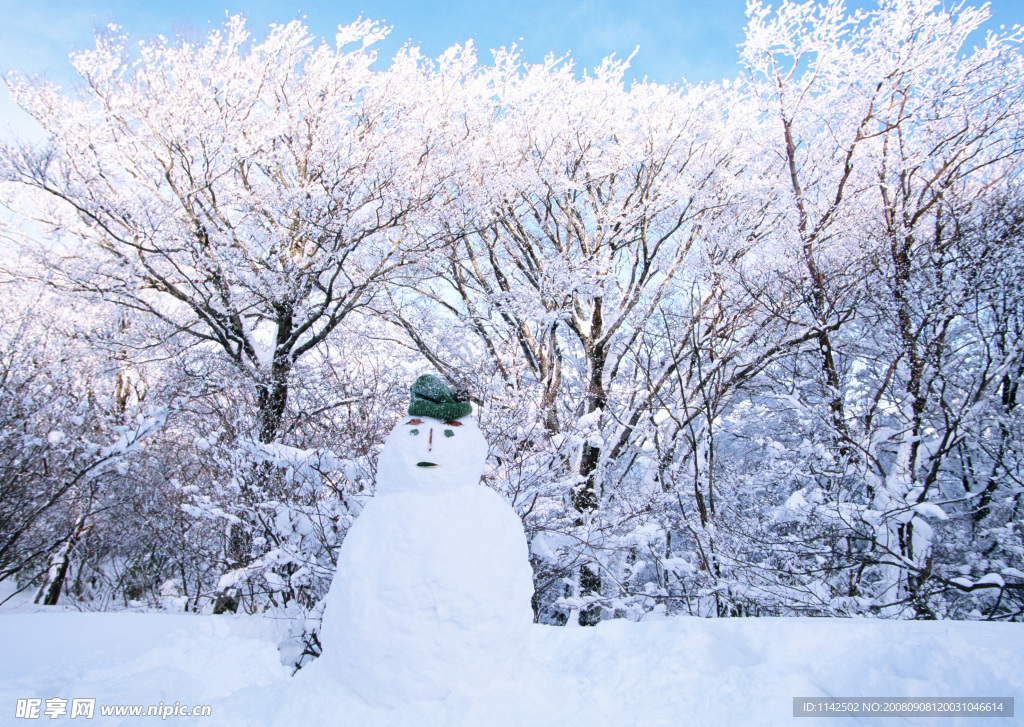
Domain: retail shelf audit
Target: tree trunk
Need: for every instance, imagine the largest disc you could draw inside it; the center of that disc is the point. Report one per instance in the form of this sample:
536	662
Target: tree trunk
587	498
60	560
273	395
272	400
53	581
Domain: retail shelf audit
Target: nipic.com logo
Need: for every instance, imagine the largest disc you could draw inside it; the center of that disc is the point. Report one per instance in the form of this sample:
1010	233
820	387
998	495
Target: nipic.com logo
86	708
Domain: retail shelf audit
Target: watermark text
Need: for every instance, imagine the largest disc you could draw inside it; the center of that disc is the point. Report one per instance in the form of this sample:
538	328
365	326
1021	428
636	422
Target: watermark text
55	707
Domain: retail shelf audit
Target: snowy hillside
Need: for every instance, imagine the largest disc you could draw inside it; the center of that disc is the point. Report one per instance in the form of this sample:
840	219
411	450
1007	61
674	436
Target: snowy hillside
680	671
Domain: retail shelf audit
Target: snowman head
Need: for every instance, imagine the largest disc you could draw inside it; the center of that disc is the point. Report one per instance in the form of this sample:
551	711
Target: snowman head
437	448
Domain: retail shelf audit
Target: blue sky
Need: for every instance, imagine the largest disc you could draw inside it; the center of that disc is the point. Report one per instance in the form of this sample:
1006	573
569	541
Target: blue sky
677	38
693	40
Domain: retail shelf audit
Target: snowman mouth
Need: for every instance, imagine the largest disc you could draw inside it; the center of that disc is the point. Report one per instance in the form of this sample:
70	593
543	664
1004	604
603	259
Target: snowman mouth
425	464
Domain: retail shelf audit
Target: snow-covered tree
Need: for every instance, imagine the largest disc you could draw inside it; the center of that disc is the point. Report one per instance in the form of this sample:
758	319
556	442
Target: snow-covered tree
894	146
67	438
247	195
741	348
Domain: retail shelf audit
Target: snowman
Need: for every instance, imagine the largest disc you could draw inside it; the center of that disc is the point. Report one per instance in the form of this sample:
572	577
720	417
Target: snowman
433	585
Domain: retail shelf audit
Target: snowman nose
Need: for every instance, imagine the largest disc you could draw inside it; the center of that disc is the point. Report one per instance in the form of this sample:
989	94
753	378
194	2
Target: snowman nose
430	443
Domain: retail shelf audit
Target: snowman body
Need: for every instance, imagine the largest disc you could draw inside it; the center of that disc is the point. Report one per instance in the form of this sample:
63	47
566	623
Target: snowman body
433	584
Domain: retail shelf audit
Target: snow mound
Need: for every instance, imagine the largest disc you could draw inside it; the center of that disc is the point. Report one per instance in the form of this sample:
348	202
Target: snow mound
667	672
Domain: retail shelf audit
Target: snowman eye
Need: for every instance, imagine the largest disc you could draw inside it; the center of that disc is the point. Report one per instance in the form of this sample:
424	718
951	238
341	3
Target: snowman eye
449	433
415	431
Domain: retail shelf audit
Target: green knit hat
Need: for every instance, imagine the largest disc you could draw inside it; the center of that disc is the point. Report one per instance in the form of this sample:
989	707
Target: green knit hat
431	397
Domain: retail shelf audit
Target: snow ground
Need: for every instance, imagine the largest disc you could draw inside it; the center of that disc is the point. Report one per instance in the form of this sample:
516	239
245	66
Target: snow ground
679	671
